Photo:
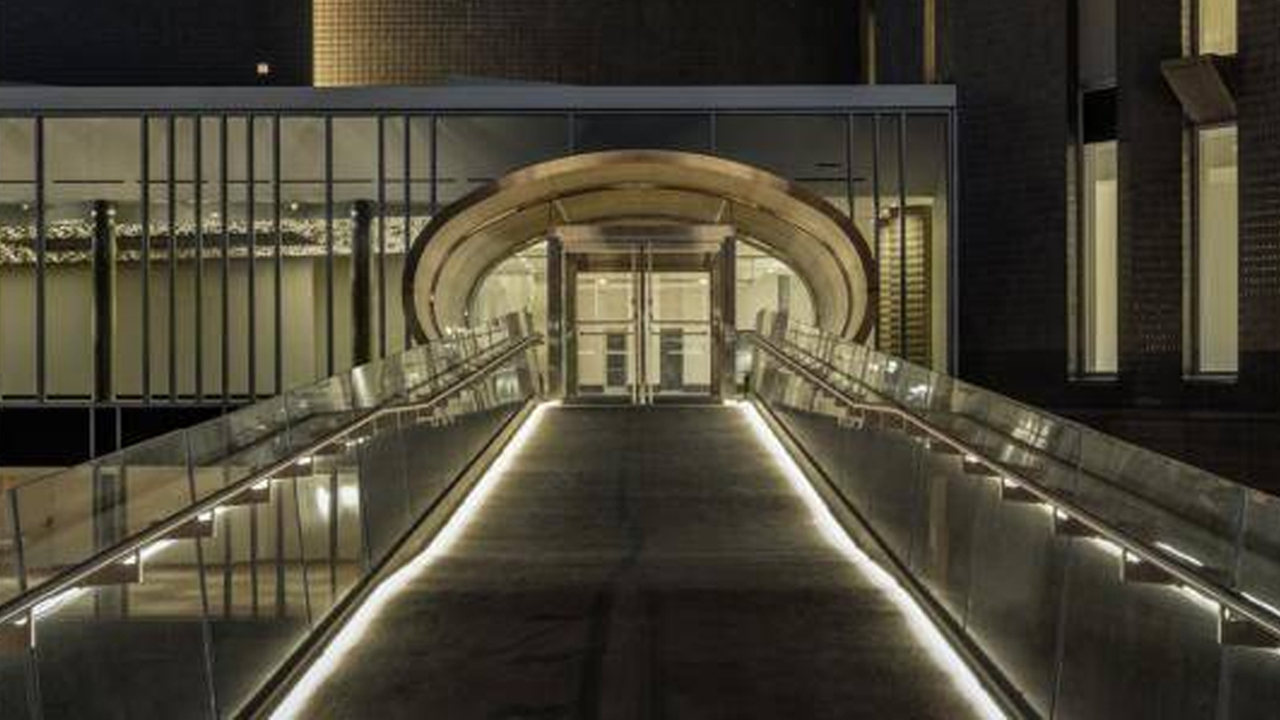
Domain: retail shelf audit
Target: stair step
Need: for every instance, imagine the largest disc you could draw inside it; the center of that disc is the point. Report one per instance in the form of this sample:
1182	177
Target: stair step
197	527
16	637
1137	570
1013	492
973	466
1068	526
256	494
125	572
1236	631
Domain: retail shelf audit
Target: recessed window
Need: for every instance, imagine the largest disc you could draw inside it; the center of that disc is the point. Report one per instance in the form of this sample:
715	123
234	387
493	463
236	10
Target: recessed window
1216	27
1217	251
1098	261
263	69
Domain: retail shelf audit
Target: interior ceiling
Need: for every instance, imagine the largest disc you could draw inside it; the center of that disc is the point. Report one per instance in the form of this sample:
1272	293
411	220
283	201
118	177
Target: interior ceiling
457	249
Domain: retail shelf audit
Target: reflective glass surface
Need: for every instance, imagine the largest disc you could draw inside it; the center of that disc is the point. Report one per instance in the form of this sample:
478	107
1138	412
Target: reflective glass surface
190	622
1031	535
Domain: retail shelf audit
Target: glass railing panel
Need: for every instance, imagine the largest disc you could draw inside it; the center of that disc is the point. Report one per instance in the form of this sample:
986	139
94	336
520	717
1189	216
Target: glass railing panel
1015	588
1258	574
1201	512
266	563
154	485
381	454
1191	515
15	680
331	518
219	463
10	583
57	516
130	639
1132	648
1251	672
941	554
318	410
14	644
1041	599
254	581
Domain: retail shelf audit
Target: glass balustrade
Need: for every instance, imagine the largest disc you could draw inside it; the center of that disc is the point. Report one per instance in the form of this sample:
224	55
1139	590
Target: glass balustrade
190	623
988	515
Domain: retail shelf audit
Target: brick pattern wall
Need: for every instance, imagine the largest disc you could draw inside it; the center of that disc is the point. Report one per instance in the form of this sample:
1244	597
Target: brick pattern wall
618	42
1258	102
154	42
1010	61
1150	133
1012	64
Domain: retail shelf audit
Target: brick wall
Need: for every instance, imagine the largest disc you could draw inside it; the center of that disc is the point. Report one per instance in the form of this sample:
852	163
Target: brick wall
1010	62
1150	133
619	42
1258	101
154	42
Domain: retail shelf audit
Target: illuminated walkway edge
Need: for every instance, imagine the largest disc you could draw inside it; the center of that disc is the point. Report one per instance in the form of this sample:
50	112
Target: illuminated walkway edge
928	634
353	631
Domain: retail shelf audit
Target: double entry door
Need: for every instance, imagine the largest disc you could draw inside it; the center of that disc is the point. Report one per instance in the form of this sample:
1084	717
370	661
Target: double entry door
641	326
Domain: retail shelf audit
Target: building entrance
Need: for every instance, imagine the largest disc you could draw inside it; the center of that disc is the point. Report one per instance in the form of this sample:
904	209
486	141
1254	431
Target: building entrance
644	314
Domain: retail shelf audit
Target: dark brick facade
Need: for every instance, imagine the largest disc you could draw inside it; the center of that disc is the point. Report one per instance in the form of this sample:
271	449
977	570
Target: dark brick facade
597	42
1010	62
1013	65
1150	131
1258	101
154	42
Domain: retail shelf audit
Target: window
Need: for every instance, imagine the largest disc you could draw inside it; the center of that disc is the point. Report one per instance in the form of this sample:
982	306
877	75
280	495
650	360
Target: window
1216	27
1216	251
1098	260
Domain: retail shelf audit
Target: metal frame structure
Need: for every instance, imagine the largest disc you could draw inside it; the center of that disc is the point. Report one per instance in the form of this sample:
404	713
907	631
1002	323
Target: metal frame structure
172	122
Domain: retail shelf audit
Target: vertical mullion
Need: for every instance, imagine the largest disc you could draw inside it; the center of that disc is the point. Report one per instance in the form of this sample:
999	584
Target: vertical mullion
198	176
408	211
329	365
953	249
144	278
901	233
42	389
225	269
278	260
171	143
848	192
434	174
251	257
875	226
382	237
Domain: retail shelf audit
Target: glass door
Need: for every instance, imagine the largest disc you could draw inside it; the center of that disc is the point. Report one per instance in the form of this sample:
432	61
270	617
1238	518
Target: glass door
605	335
678	330
640	326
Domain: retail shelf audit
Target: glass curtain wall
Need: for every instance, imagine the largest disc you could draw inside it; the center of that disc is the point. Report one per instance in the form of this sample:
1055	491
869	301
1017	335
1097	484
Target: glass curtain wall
228	238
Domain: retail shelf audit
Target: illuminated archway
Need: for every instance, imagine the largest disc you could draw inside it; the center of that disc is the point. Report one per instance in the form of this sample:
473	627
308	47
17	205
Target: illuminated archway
464	241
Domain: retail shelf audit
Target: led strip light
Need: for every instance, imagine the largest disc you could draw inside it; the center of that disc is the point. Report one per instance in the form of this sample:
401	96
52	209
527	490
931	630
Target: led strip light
353	631
922	627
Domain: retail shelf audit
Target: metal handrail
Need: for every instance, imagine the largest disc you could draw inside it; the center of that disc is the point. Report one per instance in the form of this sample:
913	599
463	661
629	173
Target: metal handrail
14	609
454	367
1226	597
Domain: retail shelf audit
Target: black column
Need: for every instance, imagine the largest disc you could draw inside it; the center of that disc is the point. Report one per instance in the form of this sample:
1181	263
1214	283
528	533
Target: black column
104	297
362	282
